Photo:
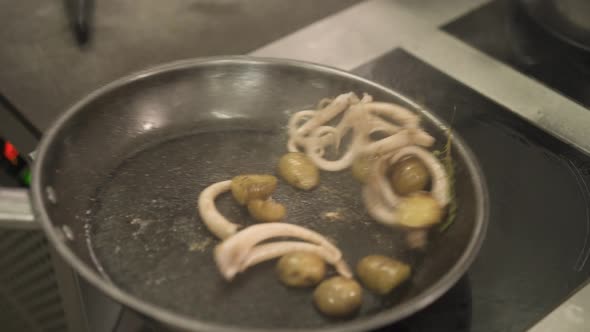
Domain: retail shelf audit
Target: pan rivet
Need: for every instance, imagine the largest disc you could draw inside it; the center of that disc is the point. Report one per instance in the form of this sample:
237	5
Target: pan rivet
50	193
68	232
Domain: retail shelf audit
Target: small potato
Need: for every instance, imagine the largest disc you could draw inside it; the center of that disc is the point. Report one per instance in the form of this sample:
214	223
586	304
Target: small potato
252	186
299	171
267	210
409	175
381	274
419	210
301	269
338	297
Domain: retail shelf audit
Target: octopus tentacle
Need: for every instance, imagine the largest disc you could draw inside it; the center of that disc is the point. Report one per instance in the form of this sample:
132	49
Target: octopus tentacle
292	146
354	121
379	183
379	125
296	119
398	140
394	112
376	209
268	251
231	253
292	127
215	221
337	106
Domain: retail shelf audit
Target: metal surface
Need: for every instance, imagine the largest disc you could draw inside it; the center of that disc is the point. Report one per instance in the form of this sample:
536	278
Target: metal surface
34	280
68	284
568	20
102	312
80	17
127	223
571	316
525	268
505	32
550	111
28	287
45	70
15	209
401	24
391	22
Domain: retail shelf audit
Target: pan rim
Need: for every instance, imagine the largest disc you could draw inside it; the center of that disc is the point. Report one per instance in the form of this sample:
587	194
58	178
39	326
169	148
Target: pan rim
172	319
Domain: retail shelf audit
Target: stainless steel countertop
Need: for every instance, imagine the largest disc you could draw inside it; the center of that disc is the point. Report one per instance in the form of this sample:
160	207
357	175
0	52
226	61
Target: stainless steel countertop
571	316
44	70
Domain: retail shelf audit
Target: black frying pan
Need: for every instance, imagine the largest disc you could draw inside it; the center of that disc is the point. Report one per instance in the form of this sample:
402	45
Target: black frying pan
117	177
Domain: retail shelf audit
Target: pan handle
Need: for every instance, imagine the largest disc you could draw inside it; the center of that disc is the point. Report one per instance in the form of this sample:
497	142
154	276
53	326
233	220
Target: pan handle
15	209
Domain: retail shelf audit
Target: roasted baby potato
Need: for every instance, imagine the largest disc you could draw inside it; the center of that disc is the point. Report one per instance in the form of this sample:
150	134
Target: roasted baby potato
409	175
338	297
381	274
419	210
252	186
267	210
301	269
299	171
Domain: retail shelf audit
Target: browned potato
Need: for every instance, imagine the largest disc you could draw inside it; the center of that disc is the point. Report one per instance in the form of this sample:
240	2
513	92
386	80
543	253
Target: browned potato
419	210
381	274
338	297
267	210
409	175
301	269
299	171
252	186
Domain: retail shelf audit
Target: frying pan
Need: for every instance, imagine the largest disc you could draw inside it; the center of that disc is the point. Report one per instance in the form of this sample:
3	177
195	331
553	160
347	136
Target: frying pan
117	177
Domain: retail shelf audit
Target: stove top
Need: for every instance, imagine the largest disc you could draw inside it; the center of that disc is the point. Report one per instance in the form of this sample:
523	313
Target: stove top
536	251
